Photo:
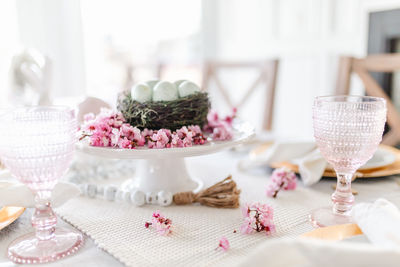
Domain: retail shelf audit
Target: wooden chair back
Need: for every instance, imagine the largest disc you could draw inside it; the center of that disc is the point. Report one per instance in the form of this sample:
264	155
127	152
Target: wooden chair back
267	74
362	67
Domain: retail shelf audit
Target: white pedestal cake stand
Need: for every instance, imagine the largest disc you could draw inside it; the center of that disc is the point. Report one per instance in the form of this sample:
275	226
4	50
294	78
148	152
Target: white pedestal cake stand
165	169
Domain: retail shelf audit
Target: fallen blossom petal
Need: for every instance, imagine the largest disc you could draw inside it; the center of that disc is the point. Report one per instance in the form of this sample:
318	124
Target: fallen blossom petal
258	217
160	223
224	244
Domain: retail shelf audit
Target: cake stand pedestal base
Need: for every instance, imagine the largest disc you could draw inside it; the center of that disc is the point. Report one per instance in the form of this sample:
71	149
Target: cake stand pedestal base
162	174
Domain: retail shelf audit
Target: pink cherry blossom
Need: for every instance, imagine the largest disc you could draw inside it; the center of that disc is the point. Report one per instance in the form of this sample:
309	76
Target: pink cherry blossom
109	129
160	223
115	136
88	117
124	143
195	129
146	132
282	178
96	140
176	141
222	132
160	138
247	226
220	129
258	217
224	244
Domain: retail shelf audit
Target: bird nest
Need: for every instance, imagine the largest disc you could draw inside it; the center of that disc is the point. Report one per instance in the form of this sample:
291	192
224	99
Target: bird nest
185	111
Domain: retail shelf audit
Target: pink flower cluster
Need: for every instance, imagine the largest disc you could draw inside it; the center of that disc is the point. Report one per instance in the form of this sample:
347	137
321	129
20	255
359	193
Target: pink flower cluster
281	178
223	244
257	217
220	129
160	223
183	137
109	129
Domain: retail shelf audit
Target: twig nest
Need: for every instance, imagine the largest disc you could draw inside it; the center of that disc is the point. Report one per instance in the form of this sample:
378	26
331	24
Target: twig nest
152	83
141	92
187	88
165	91
163	113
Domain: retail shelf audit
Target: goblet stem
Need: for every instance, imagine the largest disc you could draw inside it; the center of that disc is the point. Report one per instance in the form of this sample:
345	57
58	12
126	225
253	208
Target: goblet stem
44	219
343	198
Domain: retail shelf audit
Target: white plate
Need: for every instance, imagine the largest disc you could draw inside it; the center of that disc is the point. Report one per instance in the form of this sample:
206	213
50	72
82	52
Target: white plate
381	158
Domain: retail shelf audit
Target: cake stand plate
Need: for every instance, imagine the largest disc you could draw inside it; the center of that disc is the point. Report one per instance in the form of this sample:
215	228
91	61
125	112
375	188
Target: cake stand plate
165	169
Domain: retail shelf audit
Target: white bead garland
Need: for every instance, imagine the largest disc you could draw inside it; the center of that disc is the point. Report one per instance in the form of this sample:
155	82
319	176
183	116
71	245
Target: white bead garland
91	190
135	197
138	198
126	196
164	198
110	192
151	198
119	196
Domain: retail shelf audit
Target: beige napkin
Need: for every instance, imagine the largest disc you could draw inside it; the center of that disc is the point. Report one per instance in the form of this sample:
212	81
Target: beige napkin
305	154
379	221
19	195
317	253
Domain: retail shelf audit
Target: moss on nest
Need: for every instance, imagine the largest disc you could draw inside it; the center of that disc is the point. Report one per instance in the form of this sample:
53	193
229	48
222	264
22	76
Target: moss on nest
189	110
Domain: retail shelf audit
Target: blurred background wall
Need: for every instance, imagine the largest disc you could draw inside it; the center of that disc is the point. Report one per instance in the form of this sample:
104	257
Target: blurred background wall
99	48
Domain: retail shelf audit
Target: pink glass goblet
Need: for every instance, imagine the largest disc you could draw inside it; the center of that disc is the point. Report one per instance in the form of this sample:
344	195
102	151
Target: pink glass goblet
37	146
348	130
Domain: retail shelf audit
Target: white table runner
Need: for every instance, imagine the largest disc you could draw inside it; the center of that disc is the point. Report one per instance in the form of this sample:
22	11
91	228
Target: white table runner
119	229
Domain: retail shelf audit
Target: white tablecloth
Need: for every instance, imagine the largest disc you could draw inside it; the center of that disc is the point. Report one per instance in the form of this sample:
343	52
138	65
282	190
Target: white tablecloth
119	228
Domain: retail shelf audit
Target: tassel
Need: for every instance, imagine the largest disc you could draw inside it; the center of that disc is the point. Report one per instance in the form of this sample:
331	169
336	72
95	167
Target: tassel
223	194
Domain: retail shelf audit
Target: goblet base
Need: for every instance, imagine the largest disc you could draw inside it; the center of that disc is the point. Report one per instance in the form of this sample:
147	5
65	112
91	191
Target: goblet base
325	217
28	249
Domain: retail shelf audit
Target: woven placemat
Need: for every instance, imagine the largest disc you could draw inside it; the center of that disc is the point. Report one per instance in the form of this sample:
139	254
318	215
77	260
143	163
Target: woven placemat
118	228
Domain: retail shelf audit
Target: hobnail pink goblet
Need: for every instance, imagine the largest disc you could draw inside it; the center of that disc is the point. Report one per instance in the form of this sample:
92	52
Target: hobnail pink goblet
348	130
37	145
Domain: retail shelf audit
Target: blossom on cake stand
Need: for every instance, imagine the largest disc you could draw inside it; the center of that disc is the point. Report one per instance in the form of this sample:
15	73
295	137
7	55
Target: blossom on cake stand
109	129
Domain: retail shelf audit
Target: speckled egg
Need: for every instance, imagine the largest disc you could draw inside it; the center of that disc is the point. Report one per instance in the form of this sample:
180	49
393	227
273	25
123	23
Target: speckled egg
141	92
152	83
165	91
187	88
179	82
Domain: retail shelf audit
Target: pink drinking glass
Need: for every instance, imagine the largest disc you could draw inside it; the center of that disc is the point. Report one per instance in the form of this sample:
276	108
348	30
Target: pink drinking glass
348	130
37	146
